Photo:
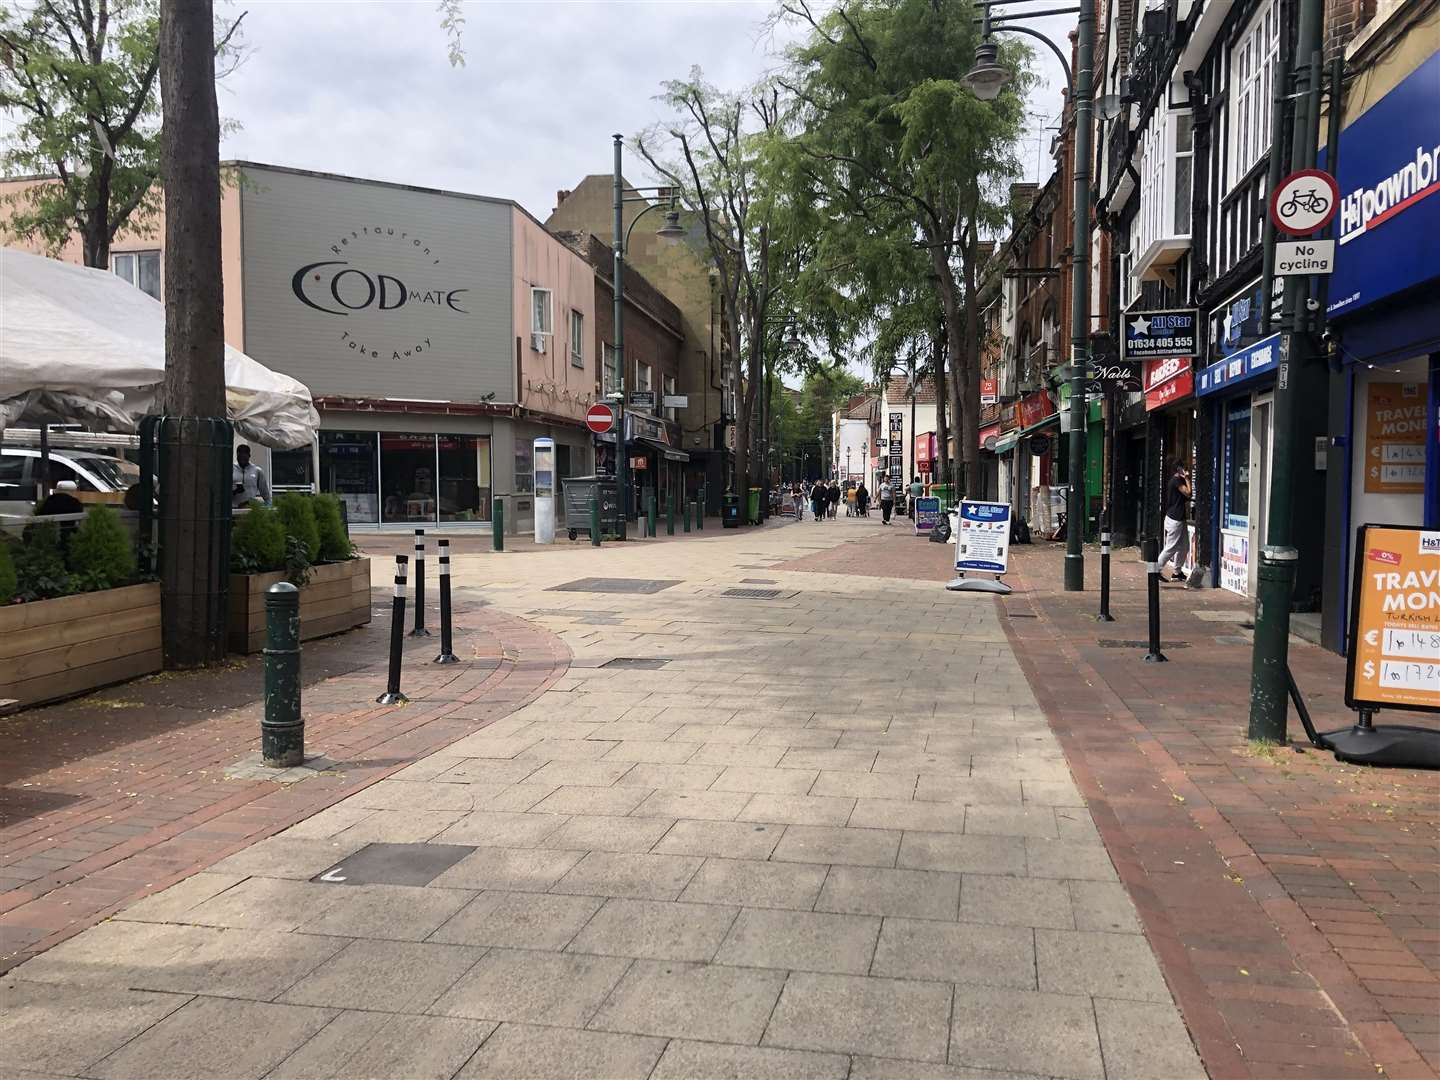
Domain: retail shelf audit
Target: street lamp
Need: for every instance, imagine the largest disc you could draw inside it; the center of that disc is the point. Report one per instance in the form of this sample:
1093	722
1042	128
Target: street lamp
671	228
986	79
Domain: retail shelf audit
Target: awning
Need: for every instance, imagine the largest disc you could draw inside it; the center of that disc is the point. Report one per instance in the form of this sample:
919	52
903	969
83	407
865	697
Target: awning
1053	418
1006	442
669	453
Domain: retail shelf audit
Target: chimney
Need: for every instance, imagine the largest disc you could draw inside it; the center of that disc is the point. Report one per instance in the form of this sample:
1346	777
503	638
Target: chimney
1021	196
561	196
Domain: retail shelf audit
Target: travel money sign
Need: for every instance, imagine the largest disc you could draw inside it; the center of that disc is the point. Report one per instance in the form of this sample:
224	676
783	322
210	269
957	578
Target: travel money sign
1394	660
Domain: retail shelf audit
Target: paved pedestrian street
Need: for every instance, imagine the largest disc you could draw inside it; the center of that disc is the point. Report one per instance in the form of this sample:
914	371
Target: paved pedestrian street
770	823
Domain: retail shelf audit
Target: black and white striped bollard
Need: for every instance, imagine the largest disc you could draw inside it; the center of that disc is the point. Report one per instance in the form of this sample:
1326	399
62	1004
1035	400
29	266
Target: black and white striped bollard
419	628
447	656
1151	549
1105	615
392	694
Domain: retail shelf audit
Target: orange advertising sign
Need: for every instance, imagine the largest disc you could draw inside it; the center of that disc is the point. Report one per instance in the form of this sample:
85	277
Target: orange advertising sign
1394	660
1395	439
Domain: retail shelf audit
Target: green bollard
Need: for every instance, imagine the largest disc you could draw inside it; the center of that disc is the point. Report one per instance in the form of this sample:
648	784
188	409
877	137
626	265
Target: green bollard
670	517
700	510
282	732
650	513
595	519
497	525
689	510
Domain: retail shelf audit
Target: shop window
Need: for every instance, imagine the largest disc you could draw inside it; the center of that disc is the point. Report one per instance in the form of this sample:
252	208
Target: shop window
464	477
348	469
1184	160
291	469
139	268
524	466
610	371
577	339
1237	468
1252	66
407	478
642	377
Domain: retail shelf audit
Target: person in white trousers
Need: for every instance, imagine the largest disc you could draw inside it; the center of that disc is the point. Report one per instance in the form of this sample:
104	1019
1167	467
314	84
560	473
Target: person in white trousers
1177	536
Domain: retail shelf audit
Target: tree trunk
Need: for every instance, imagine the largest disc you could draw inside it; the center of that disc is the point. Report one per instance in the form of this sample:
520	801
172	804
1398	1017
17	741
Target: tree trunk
969	396
195	438
940	467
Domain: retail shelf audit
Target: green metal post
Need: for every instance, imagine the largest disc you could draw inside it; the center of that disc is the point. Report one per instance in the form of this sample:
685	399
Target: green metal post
700	510
650	515
670	516
689	509
282	732
595	519
498	525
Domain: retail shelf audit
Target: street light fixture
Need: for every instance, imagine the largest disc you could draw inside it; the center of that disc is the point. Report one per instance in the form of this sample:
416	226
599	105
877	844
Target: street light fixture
988	76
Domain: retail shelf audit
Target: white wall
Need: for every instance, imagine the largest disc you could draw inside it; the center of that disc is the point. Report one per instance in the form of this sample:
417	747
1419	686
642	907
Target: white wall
852	444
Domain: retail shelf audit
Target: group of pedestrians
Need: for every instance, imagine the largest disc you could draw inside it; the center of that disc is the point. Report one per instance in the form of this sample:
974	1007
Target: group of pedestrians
824	499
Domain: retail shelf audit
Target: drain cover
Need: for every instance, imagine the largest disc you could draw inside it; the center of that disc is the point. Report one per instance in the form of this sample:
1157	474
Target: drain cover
1021	615
614	585
1111	643
394	864
645	663
751	594
757	581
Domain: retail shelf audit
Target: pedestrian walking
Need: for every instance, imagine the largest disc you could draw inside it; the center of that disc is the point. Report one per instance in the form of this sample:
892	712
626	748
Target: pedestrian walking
887	500
862	499
798	498
248	481
832	498
819	496
1177	536
851	509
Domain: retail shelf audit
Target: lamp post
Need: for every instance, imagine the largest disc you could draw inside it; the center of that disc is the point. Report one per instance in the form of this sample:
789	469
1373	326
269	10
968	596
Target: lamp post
622	238
986	79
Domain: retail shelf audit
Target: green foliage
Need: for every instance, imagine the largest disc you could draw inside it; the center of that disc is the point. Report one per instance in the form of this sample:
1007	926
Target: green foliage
101	553
297	512
257	542
335	543
7	570
40	571
297	562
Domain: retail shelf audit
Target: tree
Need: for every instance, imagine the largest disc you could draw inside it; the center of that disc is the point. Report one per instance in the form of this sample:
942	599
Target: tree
81	79
904	158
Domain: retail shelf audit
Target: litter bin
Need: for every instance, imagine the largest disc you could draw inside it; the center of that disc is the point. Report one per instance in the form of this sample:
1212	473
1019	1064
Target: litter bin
580	495
730	510
752	507
941	492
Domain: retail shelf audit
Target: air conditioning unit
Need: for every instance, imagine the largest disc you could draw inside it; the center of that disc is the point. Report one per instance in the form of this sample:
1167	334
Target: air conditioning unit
537	342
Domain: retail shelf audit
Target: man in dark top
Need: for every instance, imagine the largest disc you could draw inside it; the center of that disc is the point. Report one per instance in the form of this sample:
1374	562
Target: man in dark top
1177	536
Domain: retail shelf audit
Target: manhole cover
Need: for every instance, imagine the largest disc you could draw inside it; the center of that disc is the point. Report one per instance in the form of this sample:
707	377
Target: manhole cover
1021	615
394	864
614	585
1111	643
757	581
751	594
646	663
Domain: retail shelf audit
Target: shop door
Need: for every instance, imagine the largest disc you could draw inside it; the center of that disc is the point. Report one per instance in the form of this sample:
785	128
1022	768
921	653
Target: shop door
1261	440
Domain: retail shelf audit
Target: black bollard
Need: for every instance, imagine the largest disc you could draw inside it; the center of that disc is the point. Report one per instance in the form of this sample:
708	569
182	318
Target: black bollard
650	514
392	694
689	512
282	732
1105	615
419	628
670	515
447	654
700	510
1151	550
595	519
497	525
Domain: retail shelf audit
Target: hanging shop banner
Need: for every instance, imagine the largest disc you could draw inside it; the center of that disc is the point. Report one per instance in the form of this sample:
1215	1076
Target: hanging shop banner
989	391
1394	660
982	541
897	423
1395	439
1157	334
924	452
1033	408
1167	381
1112	375
927	514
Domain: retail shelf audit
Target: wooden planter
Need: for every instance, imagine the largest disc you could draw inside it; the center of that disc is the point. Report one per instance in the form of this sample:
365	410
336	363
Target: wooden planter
337	598
53	649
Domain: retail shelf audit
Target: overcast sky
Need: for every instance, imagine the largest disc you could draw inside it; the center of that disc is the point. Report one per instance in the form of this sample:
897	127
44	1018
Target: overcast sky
365	88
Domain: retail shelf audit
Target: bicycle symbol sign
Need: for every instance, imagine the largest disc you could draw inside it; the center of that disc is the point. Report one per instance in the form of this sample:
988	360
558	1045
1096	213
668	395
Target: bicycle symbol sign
1304	202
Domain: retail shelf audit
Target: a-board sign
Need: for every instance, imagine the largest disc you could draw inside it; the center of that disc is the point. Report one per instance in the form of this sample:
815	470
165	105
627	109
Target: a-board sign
927	514
1394	656
982	541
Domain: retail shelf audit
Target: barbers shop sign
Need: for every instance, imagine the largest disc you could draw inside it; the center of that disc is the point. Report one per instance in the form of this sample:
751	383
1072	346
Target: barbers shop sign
374	281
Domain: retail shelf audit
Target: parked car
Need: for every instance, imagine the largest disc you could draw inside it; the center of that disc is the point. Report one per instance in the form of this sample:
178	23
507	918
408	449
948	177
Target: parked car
90	471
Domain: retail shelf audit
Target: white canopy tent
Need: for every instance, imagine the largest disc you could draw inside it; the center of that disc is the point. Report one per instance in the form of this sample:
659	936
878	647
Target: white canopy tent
80	344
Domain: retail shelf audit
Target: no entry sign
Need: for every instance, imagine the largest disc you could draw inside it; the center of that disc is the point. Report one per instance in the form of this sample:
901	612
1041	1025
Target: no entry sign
600	418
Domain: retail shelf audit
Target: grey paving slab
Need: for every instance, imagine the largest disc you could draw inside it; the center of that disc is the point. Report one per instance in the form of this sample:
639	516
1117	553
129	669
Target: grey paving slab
1068	859
51	1028
908	814
864	890
865	785
606	833
721	839
481	745
956	952
171	904
968	790
699	805
524	869
871	1068
801	941
1103	906
481	771
496	828
612	801
1051	793
263	904
756	884
1139	1041
830	760
1101	965
651	747
1011	821
756	754
968	854
519	920
626	874
828	844
758	779
579	773
685	1060
215	1038
1016	901
797	809
518	1051
708	1002
365	1044
798	736
395	912
553	989
655	930
384	976
668	777
1026	1031
568	750
851	1014
287	856
392	794
401	826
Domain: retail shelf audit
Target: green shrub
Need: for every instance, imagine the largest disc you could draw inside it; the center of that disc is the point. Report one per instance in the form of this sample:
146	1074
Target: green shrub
40	564
257	543
298	515
335	543
7	571
101	554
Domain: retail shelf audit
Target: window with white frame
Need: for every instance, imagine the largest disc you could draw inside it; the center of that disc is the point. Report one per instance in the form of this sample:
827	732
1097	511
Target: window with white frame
609	371
1184	158
577	339
540	318
1165	160
139	268
1252	67
669	392
642	377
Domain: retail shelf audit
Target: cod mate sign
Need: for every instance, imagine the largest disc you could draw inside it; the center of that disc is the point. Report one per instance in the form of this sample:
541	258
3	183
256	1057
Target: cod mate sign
1394	660
982	540
927	514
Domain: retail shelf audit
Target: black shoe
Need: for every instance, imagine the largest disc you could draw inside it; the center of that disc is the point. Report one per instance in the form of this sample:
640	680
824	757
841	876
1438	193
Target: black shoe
1180	577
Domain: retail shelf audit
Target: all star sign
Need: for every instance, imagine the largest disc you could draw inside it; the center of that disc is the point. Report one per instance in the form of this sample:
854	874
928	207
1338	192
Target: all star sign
1156	335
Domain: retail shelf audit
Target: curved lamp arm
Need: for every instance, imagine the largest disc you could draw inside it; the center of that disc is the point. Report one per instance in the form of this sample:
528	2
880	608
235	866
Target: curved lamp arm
1064	64
625	245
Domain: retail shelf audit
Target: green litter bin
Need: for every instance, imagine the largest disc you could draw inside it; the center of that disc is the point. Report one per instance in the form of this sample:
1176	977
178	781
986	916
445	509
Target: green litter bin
752	507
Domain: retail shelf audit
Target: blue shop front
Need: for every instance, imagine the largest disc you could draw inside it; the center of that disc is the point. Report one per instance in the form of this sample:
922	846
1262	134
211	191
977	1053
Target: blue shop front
1384	320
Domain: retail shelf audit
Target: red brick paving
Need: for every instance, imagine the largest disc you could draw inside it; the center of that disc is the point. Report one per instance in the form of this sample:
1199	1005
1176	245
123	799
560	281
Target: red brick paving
119	794
1294	901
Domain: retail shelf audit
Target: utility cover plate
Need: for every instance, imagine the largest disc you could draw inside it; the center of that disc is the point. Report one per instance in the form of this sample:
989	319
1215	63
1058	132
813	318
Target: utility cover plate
758	581
752	594
615	585
644	663
394	864
1111	643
